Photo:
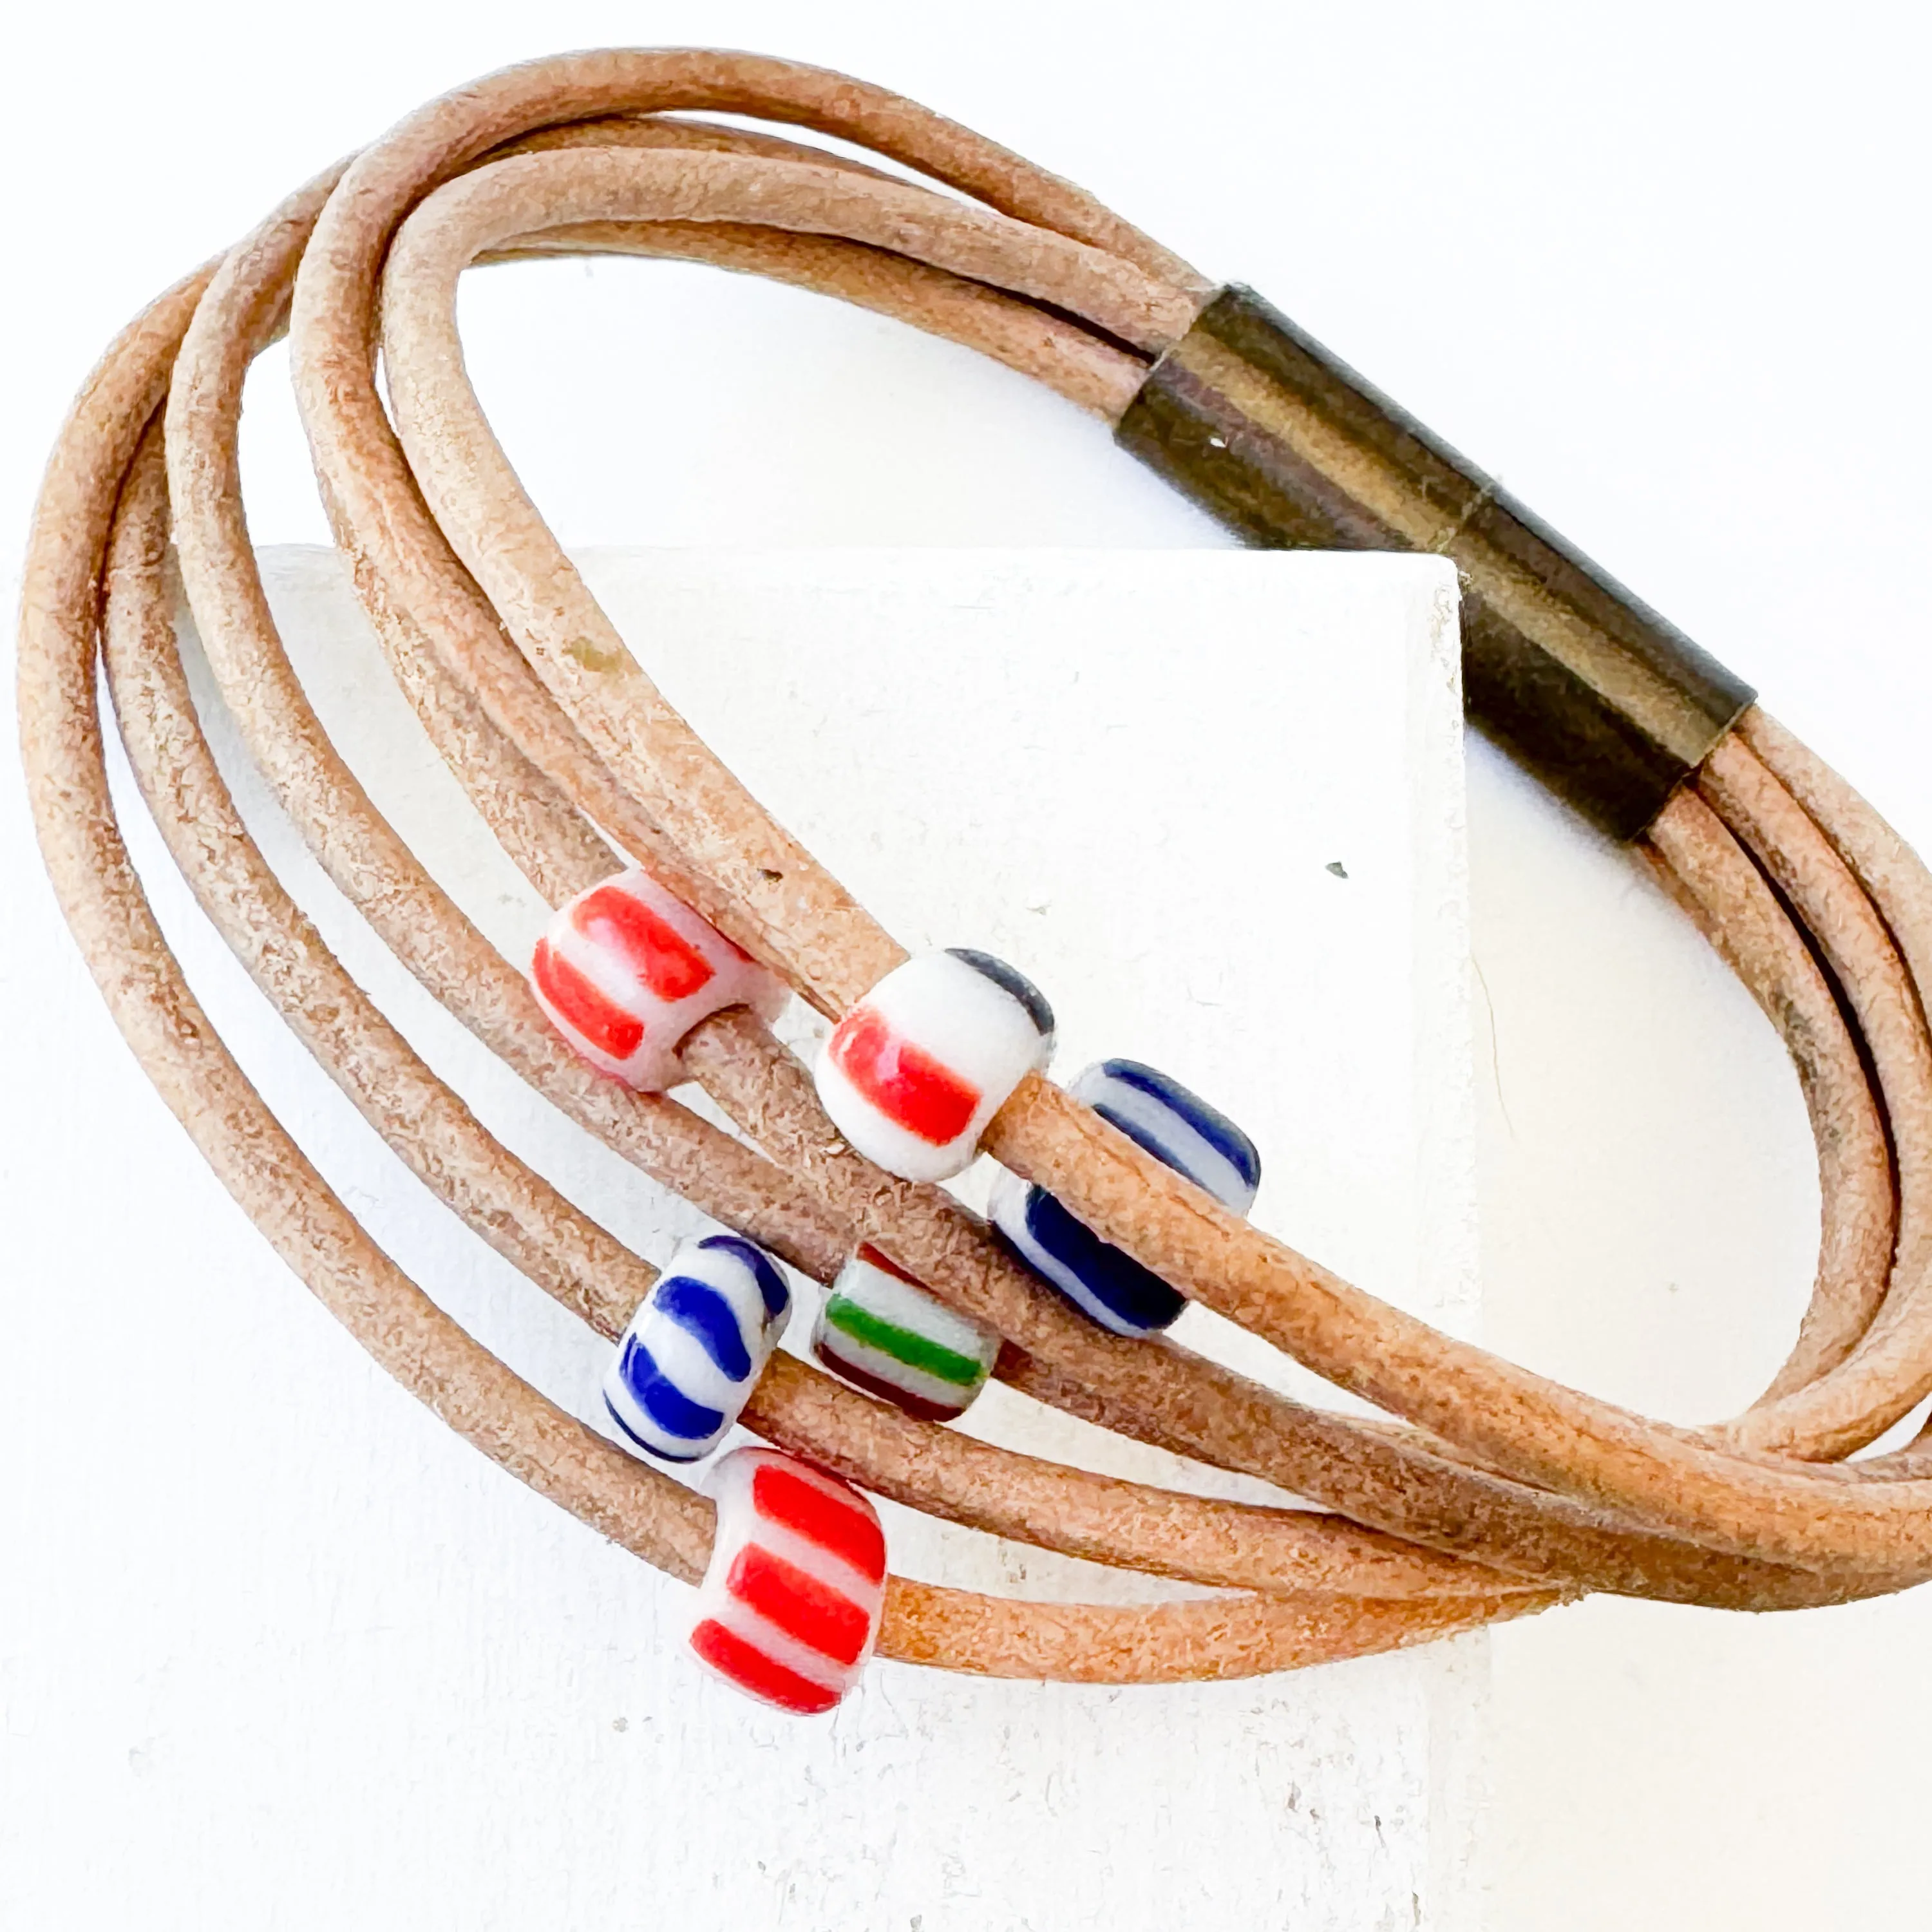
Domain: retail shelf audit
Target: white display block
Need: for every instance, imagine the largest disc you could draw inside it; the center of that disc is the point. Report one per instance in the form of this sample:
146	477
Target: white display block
277	1648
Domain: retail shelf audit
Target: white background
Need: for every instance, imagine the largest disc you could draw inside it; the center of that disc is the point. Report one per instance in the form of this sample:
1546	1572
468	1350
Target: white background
261	1605
1659	266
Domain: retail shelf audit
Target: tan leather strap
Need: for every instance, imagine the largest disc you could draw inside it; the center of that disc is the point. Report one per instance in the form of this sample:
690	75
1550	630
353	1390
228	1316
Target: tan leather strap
1492	1493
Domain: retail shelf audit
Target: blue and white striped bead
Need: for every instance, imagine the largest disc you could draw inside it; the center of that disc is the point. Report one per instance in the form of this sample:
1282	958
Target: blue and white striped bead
693	1351
1180	1130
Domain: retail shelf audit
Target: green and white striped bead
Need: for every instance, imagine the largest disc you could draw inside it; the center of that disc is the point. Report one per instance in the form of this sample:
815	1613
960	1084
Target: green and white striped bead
886	1334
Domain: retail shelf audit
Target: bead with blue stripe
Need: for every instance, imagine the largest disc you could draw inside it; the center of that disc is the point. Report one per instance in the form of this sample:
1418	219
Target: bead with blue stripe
693	1351
1181	1131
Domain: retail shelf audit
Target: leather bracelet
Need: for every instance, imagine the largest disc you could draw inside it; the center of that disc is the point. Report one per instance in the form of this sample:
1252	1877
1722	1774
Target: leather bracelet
1496	1493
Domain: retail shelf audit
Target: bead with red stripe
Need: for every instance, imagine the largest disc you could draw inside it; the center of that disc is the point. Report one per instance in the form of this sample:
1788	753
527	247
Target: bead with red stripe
913	1073
789	1609
627	969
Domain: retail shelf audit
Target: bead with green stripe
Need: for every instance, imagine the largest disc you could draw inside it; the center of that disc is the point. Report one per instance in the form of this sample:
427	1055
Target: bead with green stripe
883	1331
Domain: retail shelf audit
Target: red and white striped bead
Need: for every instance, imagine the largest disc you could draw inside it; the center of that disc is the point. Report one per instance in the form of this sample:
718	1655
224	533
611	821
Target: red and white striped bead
913	1073
627	969
789	1609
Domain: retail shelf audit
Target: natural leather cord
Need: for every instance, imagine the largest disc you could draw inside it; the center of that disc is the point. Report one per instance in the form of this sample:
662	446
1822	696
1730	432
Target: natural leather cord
1492	1493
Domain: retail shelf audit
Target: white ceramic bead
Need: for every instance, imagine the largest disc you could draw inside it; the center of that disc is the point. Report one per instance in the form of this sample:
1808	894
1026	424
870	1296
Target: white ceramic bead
1180	1130
625	970
886	1333
913	1073
693	1351
789	1609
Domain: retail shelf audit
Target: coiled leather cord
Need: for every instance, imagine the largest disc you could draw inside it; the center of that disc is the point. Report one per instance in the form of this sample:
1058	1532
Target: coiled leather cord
1496	1493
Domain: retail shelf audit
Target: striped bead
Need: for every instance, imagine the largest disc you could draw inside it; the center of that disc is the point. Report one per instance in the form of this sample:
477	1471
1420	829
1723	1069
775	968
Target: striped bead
913	1073
1179	1128
887	1334
695	1348
625	970
789	1608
